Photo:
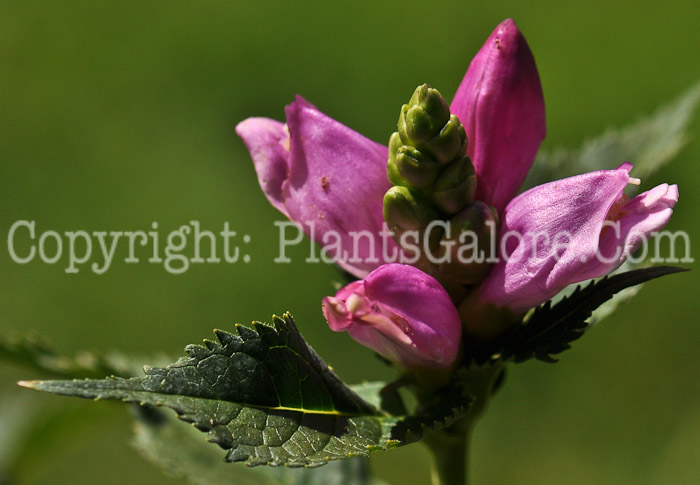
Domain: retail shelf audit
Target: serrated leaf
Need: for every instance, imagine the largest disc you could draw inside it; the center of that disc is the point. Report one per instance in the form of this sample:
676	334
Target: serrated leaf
551	328
618	299
265	396
648	143
201	464
32	351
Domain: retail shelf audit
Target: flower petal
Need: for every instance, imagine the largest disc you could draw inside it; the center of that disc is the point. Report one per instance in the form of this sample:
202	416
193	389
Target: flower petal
556	234
337	180
268	143
636	220
501	106
401	313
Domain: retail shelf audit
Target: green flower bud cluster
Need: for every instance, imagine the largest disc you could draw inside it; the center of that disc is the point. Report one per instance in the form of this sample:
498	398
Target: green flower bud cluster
428	153
434	180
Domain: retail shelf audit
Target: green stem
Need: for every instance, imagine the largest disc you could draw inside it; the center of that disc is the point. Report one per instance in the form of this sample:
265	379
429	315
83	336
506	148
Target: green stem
450	446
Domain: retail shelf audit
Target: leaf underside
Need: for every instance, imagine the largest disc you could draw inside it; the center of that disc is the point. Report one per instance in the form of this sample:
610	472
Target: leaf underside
551	328
201	464
265	396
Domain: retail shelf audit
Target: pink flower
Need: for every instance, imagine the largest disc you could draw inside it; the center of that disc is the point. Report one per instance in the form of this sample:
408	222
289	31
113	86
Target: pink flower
501	106
572	230
313	168
324	176
401	313
321	174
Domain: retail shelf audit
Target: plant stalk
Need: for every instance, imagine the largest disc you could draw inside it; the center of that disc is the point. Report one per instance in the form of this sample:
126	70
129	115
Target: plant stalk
449	446
450	459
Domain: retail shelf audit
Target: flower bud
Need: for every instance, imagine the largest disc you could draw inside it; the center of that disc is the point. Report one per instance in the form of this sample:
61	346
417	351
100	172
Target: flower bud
392	172
501	105
423	117
455	186
415	167
450	143
467	248
401	313
406	211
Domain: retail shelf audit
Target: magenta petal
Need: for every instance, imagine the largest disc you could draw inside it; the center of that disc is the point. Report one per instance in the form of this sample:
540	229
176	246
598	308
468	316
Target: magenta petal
564	238
501	106
401	313
336	184
268	143
635	221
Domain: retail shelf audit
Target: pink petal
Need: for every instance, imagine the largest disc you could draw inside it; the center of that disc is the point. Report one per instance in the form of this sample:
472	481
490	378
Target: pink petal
268	143
564	238
501	106
401	313
336	183
637	219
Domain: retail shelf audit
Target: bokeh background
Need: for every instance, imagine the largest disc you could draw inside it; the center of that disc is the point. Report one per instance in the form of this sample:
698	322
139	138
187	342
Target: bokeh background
114	115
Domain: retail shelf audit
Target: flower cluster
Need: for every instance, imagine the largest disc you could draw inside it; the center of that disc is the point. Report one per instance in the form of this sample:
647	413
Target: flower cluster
320	173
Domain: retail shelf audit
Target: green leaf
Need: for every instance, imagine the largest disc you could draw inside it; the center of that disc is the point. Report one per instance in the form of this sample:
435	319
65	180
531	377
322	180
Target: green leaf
551	328
648	143
265	396
32	351
619	298
200	463
381	396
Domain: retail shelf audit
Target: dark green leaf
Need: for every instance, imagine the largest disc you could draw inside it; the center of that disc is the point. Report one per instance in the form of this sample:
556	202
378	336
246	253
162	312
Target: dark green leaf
620	298
265	396
551	328
200	463
649	143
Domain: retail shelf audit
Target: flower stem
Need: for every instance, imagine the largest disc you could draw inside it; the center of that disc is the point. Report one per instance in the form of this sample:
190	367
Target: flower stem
450	446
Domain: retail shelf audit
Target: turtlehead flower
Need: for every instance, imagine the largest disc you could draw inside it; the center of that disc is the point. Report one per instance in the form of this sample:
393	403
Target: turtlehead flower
324	176
320	173
402	314
571	230
501	105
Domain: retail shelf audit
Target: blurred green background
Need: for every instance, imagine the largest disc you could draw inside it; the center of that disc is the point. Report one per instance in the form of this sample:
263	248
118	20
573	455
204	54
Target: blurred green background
117	114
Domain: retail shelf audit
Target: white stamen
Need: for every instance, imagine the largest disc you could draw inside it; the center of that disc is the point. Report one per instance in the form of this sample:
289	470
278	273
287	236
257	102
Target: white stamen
353	303
634	181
